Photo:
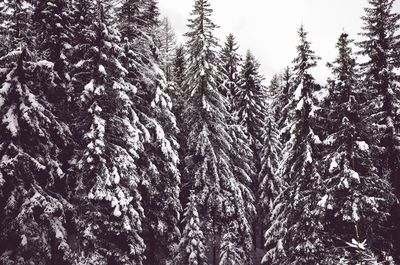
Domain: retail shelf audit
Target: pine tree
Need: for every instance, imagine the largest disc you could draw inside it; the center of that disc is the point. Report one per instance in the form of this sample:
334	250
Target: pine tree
106	175
159	159
271	185
178	77
192	242
281	90
381	46
295	234
230	252
220	194
357	199
51	25
250	103
229	70
15	24
167	46
34	215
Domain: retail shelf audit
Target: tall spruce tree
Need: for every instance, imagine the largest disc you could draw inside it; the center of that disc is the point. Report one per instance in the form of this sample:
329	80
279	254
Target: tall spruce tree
193	242
15	22
106	178
34	215
230	71
220	194
250	103
356	201
295	234
176	92
167	45
158	161
380	45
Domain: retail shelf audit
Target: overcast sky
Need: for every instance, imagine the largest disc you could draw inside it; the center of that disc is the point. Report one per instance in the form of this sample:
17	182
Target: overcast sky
269	27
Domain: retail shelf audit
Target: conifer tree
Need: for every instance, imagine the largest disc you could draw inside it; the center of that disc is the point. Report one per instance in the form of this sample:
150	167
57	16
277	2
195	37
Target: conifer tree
158	160
230	72
356	199
106	175
281	90
192	243
15	21
295	234
380	45
220	194
178	69
167	46
51	24
271	184
34	215
250	103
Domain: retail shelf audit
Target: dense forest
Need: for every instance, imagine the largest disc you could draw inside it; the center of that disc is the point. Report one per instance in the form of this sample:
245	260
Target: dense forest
120	146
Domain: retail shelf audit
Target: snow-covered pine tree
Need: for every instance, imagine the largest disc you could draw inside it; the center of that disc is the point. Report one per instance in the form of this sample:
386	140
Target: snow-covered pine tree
250	102
241	154
167	46
221	195
296	234
34	216
110	215
51	26
15	32
356	199
15	21
271	184
230	253
176	93
281	90
380	45
230	71
193	242
158	161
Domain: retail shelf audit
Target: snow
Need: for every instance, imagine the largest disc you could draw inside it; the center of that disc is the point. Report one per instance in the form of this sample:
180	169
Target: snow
102	70
298	91
321	95
300	104
358	245
120	67
24	240
363	146
89	87
333	166
12	121
354	175
80	63
354	214
322	202
45	64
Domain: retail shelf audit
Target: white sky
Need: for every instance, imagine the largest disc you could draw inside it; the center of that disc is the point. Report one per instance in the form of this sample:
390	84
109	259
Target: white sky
269	27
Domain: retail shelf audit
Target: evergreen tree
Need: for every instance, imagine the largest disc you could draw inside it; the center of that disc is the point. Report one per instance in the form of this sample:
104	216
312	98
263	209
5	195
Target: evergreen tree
34	215
53	42
106	176
229	70
381	46
220	194
357	199
167	47
271	185
251	104
178	69
158	160
296	233
15	21
281	93
193	241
